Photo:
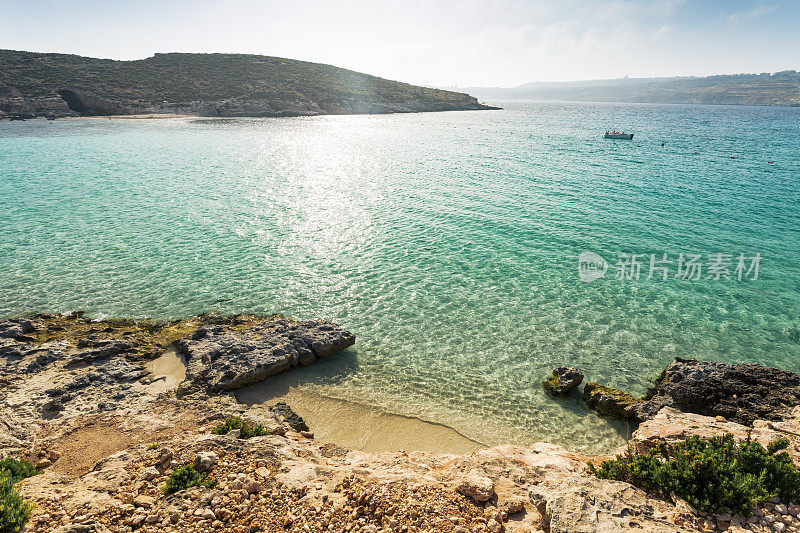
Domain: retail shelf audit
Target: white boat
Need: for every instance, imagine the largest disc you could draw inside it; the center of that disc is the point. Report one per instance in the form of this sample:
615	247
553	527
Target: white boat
627	136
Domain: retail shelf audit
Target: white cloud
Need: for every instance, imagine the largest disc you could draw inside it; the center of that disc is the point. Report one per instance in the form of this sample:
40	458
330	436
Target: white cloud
742	16
662	32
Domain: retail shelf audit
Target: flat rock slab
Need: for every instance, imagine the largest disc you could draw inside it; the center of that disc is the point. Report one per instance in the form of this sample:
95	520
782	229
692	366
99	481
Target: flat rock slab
671	427
224	361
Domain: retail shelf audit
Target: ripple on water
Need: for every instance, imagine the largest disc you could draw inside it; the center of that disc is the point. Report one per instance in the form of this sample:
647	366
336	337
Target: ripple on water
447	242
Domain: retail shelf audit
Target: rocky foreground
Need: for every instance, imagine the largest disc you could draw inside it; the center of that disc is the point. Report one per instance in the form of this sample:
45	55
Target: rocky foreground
78	400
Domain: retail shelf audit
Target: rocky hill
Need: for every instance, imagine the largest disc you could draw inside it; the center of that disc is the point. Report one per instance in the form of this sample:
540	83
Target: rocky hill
776	89
206	85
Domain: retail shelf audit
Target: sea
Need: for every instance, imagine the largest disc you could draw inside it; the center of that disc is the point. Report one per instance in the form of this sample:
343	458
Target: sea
470	252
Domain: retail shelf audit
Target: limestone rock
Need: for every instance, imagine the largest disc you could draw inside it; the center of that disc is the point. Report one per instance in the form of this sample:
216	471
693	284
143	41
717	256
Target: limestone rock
671	426
285	415
86	527
740	393
204	461
163	459
589	505
150	473
563	381
478	487
144	501
608	401
17	329
224	361
252	487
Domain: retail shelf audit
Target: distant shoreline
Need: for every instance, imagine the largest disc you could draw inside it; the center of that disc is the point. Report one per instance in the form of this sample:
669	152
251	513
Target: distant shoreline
157	116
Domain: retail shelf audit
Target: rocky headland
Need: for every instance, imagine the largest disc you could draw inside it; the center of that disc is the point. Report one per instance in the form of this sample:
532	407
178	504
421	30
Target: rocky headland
82	401
212	85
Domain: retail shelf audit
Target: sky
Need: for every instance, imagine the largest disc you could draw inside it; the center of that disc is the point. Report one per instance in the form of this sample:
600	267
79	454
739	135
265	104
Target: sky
436	42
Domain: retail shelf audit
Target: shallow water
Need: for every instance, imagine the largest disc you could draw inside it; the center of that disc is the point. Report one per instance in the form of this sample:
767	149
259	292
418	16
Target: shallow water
447	242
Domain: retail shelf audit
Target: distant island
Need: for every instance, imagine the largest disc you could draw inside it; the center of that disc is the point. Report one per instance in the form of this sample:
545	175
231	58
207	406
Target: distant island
777	89
215	85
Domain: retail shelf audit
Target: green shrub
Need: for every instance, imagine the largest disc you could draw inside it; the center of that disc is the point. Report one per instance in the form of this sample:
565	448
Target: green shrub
711	474
185	477
18	470
248	429
14	510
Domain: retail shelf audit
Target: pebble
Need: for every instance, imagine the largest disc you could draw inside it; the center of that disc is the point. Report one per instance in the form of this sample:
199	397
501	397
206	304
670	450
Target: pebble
144	501
479	488
150	473
204	461
252	487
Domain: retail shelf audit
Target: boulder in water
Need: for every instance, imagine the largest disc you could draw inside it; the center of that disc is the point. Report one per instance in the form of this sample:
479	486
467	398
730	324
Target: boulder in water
563	381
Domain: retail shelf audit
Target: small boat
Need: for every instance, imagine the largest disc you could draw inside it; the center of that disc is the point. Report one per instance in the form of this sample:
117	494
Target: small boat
616	135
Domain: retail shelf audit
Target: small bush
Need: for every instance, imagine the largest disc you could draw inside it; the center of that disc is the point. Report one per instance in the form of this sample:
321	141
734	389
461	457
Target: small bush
14	510
711	474
153	446
18	470
185	477
248	429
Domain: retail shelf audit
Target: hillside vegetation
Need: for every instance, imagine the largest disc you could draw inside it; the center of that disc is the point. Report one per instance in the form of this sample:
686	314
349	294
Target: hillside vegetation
204	84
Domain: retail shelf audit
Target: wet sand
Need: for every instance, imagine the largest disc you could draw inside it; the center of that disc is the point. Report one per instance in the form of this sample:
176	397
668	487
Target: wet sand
171	367
361	427
351	425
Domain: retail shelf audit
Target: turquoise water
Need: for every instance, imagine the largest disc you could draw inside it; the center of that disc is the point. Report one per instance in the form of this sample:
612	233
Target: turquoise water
448	242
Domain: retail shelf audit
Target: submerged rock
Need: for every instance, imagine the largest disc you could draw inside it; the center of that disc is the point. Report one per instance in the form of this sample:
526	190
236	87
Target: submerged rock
563	381
609	401
285	415
224	361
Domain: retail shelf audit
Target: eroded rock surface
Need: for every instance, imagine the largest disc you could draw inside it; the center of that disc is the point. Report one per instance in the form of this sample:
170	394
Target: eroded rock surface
76	401
224	361
671	426
567	507
563	381
58	367
740	393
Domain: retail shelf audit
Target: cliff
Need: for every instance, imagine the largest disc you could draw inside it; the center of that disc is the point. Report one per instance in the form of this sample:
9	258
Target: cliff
226	85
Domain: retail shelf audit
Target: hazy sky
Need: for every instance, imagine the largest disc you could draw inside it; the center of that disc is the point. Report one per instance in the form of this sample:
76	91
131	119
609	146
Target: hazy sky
463	42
